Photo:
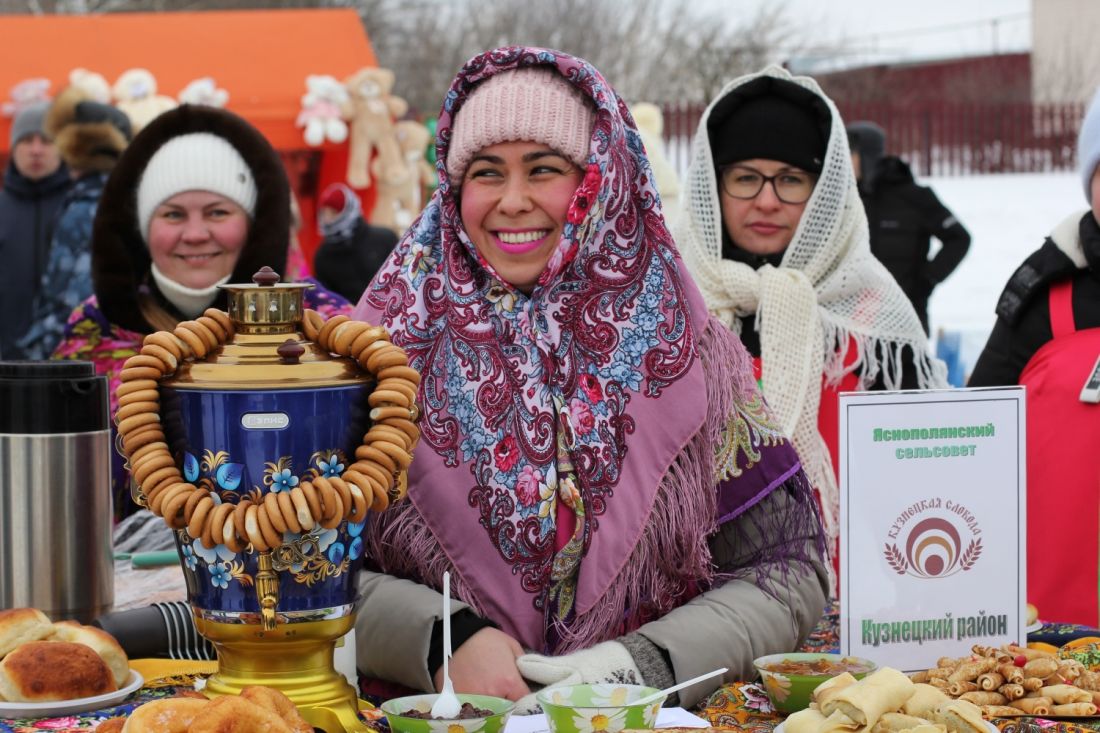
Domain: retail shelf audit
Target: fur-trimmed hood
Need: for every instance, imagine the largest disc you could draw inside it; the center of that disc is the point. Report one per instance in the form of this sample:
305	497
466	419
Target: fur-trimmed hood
120	257
90	135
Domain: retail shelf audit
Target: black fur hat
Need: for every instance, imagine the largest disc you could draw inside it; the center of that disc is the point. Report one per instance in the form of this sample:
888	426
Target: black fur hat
90	135
120	257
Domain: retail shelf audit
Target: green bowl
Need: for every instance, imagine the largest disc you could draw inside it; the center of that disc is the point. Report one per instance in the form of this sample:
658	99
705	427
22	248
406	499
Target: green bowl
790	693
589	708
394	709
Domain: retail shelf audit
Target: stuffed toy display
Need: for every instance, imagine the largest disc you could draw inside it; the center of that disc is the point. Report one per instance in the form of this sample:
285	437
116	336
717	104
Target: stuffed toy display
26	93
95	86
323	107
204	91
372	111
413	139
651	122
135	94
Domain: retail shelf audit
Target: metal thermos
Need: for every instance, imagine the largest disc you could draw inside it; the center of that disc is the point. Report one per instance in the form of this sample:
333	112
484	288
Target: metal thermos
55	489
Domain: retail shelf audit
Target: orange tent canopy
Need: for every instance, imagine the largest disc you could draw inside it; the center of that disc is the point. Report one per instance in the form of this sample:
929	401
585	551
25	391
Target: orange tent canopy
261	57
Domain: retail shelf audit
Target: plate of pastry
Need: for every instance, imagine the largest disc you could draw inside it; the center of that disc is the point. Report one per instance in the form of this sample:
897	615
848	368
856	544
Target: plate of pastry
52	708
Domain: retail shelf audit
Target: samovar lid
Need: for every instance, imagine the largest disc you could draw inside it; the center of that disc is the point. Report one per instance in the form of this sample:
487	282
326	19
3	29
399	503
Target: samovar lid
268	350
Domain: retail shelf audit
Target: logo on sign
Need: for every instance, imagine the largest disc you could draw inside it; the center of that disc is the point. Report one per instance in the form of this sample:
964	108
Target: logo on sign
265	420
934	539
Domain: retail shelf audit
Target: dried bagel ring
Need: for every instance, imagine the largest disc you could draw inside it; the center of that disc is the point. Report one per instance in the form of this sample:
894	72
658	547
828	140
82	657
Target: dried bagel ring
238	518
166	341
391	356
173	507
143	360
403	372
327	494
378	414
153	476
301	509
357	483
215	329
345	334
193	502
342	489
214	532
382	397
207	336
143	373
367	337
396	452
312	321
382	432
286	508
230	538
142	436
129	424
163	355
313	500
406	426
273	537
370	453
403	386
271	505
135	408
154	496
381	496
252	527
324	336
194	342
199	515
223	319
145	450
338	513
135	385
372	470
141	395
145	463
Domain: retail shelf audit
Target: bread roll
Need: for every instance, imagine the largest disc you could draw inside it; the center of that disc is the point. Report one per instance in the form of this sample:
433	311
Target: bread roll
20	625
280	704
101	643
232	714
173	715
39	671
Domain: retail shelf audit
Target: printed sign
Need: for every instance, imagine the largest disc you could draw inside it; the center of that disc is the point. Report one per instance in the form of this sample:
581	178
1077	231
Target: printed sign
932	512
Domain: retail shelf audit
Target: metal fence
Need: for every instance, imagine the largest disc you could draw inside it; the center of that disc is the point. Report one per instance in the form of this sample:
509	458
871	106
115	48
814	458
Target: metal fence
942	139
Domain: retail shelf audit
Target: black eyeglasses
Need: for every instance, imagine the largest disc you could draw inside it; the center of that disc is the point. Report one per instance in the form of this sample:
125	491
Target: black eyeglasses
791	187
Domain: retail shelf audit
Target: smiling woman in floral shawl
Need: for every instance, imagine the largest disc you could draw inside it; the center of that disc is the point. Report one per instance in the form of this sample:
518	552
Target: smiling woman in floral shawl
597	466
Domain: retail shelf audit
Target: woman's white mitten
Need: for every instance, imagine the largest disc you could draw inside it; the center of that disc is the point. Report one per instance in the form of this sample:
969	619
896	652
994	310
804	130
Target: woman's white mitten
609	662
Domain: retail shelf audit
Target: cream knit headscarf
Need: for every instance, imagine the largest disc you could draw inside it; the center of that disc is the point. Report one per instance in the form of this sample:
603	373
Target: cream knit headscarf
828	294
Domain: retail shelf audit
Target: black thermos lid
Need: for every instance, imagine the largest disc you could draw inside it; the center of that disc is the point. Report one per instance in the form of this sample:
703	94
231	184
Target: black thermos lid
52	397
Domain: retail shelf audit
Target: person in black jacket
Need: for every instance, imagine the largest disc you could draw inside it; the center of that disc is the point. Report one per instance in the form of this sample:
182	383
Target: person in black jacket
35	184
352	250
902	217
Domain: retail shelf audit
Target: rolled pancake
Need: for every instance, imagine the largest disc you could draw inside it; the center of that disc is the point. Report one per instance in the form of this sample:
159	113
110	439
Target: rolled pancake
831	687
960	716
838	722
883	691
897	722
925	727
804	721
924	700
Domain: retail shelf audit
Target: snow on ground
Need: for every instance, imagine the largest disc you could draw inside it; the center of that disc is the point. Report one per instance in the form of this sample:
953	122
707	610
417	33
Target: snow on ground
1008	217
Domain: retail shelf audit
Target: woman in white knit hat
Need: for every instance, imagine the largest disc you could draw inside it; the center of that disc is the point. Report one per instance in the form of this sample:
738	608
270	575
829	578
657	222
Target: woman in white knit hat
597	470
774	232
199	198
1047	337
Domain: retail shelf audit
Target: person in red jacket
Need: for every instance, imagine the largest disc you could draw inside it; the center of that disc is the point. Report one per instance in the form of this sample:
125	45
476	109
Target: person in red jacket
1047	338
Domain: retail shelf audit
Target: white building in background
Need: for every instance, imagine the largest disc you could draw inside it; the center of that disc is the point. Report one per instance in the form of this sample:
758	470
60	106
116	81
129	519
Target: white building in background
1065	54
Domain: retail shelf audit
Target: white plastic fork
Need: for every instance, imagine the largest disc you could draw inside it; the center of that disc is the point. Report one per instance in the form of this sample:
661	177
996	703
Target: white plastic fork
447	705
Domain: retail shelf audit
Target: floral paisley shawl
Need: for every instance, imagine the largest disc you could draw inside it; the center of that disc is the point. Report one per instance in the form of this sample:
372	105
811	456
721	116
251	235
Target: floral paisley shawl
565	407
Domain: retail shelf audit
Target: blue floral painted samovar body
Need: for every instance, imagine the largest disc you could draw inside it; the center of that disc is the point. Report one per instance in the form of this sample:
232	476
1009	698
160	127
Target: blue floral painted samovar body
263	429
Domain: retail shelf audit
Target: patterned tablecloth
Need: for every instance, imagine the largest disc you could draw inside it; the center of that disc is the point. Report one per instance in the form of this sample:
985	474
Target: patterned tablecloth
739	706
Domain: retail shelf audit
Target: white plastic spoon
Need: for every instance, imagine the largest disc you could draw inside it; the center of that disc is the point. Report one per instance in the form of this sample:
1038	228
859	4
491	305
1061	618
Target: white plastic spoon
669	690
447	705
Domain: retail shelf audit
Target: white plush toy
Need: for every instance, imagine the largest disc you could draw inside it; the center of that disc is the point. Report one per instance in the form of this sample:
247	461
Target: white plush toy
321	110
204	91
95	86
136	94
26	93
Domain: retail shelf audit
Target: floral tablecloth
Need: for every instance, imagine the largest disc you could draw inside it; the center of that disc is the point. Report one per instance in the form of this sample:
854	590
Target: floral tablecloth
738	706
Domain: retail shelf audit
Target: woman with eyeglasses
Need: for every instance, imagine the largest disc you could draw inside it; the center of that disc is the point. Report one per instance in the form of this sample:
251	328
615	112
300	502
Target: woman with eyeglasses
774	232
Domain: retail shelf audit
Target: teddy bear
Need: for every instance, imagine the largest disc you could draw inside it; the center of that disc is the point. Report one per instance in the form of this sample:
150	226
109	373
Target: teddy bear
413	139
95	86
372	111
392	182
135	93
322	109
26	93
204	91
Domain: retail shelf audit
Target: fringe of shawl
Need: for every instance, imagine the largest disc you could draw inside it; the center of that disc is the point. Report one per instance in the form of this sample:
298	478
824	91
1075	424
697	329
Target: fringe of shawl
672	560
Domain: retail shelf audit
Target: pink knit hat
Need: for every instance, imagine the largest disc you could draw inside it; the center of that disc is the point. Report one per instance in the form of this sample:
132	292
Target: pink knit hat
529	104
